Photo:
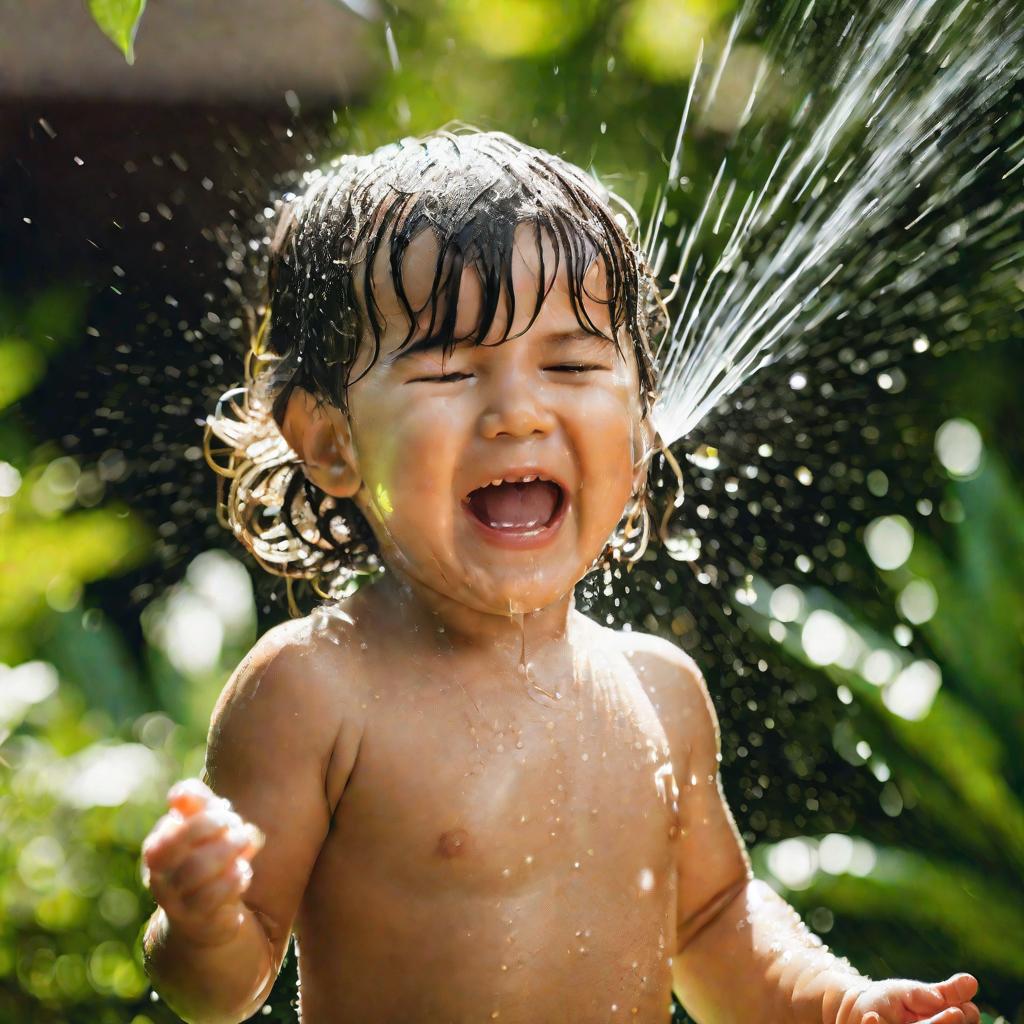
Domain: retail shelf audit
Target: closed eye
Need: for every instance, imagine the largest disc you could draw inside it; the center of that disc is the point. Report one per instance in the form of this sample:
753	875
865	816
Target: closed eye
575	367
441	378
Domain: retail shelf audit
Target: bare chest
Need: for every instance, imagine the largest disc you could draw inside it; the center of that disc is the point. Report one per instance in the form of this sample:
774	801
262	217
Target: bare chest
496	793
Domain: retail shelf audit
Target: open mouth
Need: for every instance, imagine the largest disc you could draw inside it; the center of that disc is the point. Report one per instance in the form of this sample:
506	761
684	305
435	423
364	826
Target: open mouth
521	506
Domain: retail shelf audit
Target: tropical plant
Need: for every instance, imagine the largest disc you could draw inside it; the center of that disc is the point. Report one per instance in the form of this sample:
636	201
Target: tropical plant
940	723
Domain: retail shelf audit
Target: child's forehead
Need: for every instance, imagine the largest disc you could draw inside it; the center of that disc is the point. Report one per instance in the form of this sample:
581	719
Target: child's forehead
536	269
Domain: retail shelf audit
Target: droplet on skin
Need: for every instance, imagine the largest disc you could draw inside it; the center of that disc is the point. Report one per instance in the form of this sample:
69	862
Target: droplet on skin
646	880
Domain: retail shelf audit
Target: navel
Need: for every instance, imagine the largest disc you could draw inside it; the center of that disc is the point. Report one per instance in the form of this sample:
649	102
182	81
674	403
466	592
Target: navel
453	842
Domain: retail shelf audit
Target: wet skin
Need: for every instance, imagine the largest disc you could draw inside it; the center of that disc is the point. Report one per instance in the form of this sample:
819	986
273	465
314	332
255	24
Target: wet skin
478	804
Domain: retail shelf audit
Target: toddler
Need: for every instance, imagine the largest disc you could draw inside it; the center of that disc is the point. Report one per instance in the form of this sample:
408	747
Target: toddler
468	801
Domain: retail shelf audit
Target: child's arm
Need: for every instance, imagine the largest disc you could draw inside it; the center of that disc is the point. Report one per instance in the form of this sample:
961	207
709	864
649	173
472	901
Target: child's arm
271	749
742	953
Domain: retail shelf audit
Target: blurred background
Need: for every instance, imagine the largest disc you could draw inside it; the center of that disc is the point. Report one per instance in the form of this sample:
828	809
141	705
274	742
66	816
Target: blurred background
872	720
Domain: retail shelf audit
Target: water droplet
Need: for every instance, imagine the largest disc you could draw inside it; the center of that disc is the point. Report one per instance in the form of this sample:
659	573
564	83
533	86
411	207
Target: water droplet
683	544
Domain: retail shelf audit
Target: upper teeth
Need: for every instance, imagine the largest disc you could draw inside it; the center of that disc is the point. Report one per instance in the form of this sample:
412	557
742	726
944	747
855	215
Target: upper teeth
515	480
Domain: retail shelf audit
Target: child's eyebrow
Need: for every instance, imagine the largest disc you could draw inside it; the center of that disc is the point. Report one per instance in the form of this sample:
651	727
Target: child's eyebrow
564	337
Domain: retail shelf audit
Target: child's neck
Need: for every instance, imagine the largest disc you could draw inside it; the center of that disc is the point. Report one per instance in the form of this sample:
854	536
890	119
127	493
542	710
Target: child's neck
452	624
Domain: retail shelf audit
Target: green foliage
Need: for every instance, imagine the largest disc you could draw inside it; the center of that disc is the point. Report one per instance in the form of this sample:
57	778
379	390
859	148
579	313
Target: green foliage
119	21
952	760
48	549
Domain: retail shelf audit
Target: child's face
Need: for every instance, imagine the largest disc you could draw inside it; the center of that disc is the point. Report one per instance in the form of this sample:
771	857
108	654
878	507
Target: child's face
430	434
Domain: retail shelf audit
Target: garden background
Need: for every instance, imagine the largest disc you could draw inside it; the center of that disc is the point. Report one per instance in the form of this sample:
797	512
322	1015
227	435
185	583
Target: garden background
896	830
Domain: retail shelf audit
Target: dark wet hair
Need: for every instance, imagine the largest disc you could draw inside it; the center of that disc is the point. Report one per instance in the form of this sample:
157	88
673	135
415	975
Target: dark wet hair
472	190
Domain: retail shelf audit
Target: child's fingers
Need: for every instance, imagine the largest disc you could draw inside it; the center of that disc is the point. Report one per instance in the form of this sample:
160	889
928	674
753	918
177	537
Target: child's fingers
205	863
190	795
227	886
958	988
173	836
972	1015
173	841
952	1015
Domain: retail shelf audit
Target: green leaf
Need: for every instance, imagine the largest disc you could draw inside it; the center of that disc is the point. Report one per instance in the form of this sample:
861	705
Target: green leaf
969	905
24	365
119	20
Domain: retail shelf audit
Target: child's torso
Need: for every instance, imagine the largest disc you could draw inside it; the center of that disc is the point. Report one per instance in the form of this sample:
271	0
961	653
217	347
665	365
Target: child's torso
497	854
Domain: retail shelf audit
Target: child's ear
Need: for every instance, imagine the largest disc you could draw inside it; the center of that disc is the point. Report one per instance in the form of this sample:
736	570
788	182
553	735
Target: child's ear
321	437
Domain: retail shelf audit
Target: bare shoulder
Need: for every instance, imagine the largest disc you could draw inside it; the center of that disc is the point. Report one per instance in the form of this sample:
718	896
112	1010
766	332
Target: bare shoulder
297	694
676	687
306	662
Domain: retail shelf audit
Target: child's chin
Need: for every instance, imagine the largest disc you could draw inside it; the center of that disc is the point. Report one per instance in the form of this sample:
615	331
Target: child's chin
523	596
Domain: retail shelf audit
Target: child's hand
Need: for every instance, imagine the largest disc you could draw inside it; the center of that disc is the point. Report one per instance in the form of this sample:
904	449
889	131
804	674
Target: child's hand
901	1001
196	863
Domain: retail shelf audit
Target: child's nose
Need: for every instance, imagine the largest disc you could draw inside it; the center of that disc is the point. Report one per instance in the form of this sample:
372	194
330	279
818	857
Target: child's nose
515	409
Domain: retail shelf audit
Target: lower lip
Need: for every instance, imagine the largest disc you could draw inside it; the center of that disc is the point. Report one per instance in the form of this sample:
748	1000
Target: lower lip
524	539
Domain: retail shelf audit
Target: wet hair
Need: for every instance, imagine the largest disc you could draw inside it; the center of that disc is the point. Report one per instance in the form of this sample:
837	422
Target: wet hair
472	190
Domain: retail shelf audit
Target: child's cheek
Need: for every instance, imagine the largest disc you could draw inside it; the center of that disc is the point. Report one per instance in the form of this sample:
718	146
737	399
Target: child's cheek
608	440
403	457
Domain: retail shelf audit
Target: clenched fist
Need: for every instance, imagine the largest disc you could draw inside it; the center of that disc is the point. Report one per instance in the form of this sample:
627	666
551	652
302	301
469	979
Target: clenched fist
196	862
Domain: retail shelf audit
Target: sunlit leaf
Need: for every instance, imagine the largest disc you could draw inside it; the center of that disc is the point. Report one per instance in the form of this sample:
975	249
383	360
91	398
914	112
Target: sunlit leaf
973	909
119	20
23	365
36	556
520	28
